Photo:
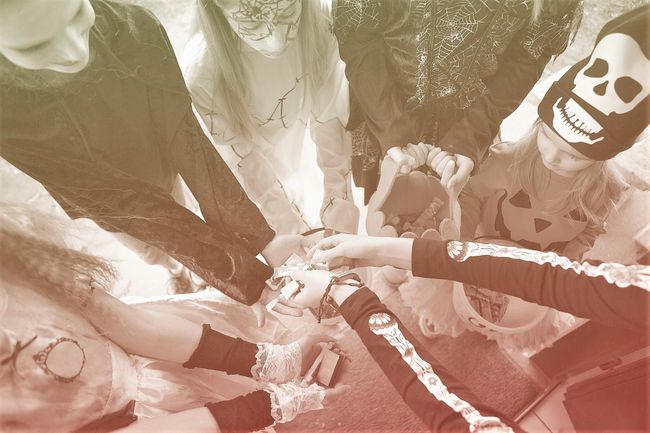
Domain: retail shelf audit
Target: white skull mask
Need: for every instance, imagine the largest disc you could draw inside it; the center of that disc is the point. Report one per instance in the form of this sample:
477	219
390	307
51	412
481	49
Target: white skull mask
613	82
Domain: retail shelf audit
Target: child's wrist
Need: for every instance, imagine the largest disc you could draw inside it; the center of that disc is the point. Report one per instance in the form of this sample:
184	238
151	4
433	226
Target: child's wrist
341	293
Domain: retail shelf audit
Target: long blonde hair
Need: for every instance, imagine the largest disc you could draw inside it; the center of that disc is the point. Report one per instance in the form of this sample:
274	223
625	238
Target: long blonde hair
34	254
594	191
231	85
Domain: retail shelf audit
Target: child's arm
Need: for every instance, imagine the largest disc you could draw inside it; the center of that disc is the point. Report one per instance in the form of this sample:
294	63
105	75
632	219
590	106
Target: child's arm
610	293
167	337
140	331
519	69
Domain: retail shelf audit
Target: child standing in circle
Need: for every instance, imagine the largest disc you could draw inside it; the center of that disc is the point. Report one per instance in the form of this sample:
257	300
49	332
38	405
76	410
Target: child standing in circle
262	74
553	189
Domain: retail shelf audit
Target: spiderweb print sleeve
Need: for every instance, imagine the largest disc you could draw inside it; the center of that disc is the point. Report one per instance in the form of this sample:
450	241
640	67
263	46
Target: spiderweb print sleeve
550	33
119	202
224	203
456	46
354	15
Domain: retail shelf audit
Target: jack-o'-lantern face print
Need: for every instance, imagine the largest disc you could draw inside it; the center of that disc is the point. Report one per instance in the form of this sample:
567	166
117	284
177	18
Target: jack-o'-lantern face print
521	218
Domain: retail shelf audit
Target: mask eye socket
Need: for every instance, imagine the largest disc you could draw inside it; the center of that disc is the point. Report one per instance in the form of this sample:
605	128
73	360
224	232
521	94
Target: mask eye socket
627	88
598	69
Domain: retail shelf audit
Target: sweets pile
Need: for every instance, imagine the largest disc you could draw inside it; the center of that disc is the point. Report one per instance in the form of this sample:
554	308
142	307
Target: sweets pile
492	306
427	224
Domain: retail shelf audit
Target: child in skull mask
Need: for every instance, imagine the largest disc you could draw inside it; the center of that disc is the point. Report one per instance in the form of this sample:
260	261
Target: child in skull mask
554	188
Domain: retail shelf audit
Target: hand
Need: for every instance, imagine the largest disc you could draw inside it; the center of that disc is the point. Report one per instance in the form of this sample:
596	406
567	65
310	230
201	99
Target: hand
310	347
364	250
284	306
343	246
291	399
454	169
315	283
333	394
282	363
405	161
464	167
419	152
442	162
281	247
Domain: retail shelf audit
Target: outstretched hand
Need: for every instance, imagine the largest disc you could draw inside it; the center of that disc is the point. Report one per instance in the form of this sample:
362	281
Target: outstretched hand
281	247
284	306
315	283
363	250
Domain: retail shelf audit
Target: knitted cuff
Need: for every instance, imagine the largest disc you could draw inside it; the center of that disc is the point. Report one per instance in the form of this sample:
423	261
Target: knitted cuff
217	351
246	413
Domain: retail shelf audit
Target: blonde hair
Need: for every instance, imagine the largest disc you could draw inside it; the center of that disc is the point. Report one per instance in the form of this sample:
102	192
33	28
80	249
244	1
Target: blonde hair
594	191
33	254
231	87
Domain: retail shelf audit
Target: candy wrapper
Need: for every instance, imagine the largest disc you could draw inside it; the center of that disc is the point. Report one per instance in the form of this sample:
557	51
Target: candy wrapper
282	281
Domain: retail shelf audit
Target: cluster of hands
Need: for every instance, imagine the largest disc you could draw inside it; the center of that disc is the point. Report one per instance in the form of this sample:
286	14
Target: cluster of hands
454	169
352	250
357	251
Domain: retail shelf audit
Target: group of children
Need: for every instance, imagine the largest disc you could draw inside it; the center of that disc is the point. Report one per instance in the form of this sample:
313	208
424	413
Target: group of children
94	105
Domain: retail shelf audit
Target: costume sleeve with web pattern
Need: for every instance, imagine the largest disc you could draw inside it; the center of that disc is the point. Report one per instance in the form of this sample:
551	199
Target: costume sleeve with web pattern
520	67
222	200
119	202
358	26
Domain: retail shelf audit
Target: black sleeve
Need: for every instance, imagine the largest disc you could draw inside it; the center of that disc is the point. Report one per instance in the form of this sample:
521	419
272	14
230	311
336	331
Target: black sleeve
608	293
432	407
223	202
358	26
118	202
520	67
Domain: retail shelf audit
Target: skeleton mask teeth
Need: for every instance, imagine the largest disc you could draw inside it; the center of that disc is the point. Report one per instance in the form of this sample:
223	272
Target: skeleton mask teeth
574	124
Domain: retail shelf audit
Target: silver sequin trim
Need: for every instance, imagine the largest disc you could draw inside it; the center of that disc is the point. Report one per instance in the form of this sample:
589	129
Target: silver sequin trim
385	325
614	273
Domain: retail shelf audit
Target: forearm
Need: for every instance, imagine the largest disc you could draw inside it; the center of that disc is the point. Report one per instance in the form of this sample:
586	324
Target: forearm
395	252
425	385
542	278
140	331
118	202
519	69
223	202
333	155
198	420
